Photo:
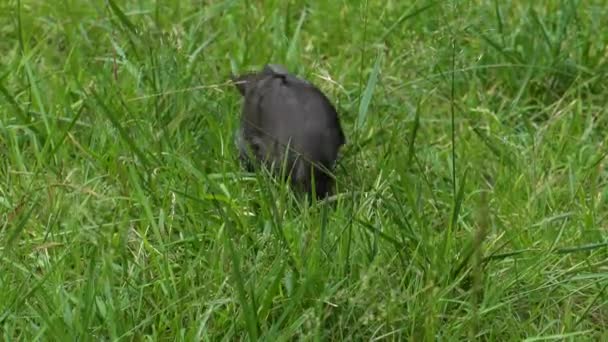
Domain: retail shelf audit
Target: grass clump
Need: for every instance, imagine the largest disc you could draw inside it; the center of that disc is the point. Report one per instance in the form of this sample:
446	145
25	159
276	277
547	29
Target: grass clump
472	192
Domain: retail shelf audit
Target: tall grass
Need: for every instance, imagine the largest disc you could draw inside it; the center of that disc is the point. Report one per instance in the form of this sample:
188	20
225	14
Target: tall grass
471	197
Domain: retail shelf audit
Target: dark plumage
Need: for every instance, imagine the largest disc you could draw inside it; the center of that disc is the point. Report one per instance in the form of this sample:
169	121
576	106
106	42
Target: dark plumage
281	113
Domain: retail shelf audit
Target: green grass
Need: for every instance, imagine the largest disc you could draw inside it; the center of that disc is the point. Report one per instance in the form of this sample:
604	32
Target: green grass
472	193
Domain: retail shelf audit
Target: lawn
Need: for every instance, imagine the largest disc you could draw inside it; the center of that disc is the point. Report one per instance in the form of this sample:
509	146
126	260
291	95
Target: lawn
471	200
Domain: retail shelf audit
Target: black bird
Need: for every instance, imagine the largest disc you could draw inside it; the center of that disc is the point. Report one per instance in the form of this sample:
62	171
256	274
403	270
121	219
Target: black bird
287	121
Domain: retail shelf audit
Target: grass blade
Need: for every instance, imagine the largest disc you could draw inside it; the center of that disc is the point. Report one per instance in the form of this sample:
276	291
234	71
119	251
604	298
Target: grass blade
18	110
122	17
412	140
369	91
122	131
293	45
248	311
405	16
